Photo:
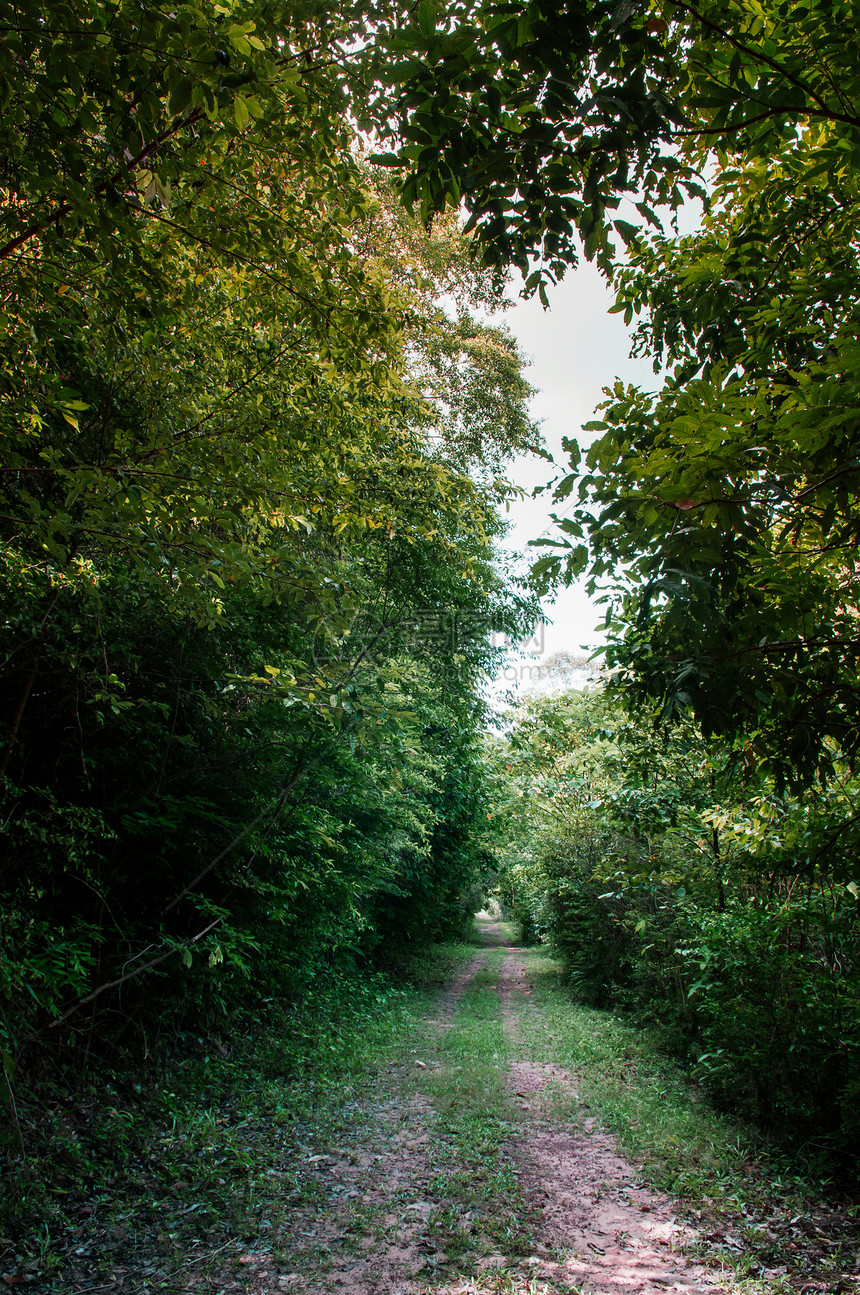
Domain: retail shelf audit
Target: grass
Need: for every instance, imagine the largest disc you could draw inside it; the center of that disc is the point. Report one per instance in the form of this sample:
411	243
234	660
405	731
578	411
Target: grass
760	1216
482	1212
210	1161
206	1154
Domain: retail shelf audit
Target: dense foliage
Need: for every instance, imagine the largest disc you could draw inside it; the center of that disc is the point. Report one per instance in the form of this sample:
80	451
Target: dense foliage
547	117
723	912
722	511
727	502
250	485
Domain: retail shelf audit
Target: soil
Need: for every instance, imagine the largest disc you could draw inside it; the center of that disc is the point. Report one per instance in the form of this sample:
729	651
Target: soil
595	1229
614	1234
368	1233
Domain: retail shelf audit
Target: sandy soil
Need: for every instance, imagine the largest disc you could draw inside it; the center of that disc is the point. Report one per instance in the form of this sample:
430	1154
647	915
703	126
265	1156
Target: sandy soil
595	1229
594	1226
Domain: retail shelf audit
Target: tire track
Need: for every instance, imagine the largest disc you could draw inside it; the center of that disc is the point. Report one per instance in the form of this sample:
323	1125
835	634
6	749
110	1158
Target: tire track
367	1232
594	1226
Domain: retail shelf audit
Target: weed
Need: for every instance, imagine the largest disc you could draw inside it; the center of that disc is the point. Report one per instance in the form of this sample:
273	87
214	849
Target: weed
187	1148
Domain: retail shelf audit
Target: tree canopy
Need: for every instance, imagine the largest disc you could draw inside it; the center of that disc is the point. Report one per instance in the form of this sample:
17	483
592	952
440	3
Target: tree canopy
546	118
719	515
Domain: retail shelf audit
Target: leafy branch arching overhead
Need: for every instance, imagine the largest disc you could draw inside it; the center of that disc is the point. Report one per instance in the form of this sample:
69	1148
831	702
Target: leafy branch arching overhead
722	513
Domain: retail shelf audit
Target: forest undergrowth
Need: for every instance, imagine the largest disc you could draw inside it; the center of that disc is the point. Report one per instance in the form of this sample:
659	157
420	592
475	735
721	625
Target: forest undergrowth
757	1209
138	1170
217	1170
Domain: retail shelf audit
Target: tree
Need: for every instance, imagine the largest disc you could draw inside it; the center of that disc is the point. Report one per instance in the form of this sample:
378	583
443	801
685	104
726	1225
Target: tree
726	505
545	119
723	509
238	436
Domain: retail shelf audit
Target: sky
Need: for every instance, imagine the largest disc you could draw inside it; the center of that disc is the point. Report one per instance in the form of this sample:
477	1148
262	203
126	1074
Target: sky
576	348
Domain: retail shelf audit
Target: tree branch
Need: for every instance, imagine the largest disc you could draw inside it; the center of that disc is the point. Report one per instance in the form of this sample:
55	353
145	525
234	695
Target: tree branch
132	165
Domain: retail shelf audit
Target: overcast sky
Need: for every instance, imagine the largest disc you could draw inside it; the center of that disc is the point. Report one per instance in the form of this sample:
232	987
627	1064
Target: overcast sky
576	348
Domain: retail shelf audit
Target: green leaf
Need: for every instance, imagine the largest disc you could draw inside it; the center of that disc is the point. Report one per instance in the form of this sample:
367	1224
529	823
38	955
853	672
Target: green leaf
180	96
240	112
427	18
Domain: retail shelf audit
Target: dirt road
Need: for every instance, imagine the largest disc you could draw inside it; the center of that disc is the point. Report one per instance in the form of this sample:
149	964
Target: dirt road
451	1148
606	1233
478	1170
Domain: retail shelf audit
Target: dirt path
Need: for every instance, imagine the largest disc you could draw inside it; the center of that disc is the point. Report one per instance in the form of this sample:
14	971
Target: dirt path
594	1226
365	1229
368	1232
465	1164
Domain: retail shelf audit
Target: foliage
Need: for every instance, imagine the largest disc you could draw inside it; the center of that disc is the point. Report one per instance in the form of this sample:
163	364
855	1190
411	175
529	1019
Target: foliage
508	110
728	499
718	515
250	486
545	119
725	914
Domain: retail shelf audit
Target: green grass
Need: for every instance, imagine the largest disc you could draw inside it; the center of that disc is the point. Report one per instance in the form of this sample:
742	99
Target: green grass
760	1214
434	967
483	1212
210	1156
205	1152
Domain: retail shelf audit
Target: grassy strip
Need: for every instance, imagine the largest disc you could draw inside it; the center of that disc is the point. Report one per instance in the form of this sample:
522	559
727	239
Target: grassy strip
201	1153
635	1091
483	1213
759	1213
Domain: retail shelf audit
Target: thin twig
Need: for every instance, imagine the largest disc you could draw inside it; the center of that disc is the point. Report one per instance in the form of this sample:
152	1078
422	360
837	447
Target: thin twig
121	980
